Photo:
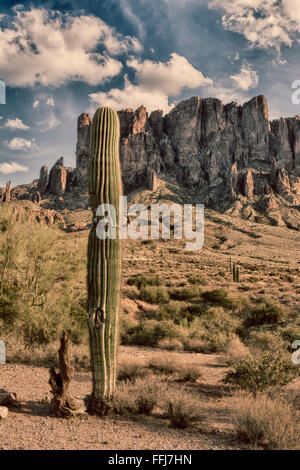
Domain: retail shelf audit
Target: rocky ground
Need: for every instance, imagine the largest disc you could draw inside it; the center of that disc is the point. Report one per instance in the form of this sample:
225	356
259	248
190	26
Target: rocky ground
34	426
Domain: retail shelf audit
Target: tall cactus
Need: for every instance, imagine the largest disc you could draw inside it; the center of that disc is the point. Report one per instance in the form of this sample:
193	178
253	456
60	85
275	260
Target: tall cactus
104	258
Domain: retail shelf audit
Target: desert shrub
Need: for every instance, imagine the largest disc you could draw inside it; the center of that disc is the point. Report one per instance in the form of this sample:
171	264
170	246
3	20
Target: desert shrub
163	364
289	333
216	344
170	311
218	297
139	397
265	422
182	408
213	328
185	293
9	310
170	344
257	374
266	312
150	332
235	350
194	345
154	294
265	341
142	281
127	328
179	311
216	319
130	371
197	279
189	373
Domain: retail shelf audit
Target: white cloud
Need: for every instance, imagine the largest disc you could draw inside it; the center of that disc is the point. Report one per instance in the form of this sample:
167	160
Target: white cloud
226	93
264	23
36	104
156	81
132	96
168	77
13	167
50	102
16	124
246	79
50	123
18	143
49	48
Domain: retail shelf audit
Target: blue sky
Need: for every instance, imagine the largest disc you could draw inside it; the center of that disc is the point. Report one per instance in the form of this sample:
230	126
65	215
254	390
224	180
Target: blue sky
61	58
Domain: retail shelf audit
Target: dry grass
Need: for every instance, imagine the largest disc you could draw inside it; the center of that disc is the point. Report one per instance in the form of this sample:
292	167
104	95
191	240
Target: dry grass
183	408
235	350
266	422
171	344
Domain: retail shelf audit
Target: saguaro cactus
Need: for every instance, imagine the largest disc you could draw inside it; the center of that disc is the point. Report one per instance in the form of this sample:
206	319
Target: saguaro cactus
104	258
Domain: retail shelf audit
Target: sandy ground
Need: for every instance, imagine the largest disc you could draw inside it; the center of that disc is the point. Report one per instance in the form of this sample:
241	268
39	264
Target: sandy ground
35	427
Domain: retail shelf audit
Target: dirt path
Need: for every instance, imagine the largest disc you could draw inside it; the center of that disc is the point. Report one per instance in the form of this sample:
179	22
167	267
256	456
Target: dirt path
35	428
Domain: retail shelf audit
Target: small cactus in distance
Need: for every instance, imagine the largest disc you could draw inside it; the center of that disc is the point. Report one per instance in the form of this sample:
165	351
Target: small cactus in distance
236	272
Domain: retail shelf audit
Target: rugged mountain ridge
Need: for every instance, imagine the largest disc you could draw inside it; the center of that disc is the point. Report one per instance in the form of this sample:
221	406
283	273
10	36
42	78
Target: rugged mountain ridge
231	155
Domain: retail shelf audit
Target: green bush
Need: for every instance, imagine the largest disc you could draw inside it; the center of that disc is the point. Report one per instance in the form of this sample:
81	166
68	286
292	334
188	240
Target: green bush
265	341
154	294
142	281
197	279
266	313
150	332
218	297
179	311
8	306
257	374
186	293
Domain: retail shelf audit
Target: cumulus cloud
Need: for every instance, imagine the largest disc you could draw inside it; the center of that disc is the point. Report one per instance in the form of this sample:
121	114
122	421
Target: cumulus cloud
132	96
156	81
49	123
18	143
36	104
168	77
246	79
49	48
12	167
16	124
264	23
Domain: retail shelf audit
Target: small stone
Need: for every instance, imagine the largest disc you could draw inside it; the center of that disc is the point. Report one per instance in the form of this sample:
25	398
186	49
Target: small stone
3	412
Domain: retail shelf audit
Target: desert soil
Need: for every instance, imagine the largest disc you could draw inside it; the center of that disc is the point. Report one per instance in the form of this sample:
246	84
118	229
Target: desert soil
35	427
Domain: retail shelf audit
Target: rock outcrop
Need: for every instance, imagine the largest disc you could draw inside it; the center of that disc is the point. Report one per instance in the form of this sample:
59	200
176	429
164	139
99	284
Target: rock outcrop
205	144
82	150
225	153
7	192
43	180
58	178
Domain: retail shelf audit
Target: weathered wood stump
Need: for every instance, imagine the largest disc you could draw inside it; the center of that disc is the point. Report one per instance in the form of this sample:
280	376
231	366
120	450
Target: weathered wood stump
64	405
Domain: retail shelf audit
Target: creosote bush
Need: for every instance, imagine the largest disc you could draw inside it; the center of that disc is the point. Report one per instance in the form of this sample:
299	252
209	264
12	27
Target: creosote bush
258	374
154	294
151	332
142	281
266	312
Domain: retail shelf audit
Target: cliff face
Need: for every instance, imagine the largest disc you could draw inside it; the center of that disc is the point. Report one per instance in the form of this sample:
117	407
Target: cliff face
200	141
224	152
